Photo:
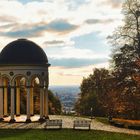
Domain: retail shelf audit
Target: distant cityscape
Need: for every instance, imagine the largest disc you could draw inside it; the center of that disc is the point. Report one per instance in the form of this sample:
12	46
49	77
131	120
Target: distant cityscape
67	95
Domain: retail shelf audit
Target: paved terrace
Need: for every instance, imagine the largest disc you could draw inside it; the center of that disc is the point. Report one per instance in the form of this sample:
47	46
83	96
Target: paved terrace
67	123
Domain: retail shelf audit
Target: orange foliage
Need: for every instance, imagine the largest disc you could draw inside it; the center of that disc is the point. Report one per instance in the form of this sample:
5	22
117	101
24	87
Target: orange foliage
127	121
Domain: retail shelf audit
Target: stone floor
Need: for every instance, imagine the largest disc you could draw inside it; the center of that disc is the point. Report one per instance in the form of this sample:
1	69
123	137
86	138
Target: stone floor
67	123
22	118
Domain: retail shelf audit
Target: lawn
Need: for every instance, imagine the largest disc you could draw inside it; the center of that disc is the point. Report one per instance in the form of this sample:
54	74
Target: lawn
102	119
64	134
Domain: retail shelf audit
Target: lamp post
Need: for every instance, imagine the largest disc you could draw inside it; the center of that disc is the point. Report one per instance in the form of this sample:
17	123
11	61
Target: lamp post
91	109
138	13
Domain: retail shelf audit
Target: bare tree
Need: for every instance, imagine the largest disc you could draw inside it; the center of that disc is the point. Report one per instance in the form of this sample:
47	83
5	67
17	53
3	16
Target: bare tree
129	32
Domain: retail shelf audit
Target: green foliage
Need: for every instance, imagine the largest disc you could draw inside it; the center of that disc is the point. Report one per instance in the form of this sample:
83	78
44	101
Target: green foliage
54	104
93	93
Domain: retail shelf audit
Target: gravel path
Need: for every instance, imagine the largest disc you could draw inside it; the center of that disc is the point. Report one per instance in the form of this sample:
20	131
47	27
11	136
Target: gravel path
95	125
68	123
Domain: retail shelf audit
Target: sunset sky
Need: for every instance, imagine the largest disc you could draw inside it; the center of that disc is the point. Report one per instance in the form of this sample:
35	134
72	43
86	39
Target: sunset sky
71	32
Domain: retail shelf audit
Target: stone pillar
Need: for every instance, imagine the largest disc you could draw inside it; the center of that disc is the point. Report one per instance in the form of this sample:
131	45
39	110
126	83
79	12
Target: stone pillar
28	120
17	98
5	84
12	105
46	111
1	100
31	101
43	102
41	105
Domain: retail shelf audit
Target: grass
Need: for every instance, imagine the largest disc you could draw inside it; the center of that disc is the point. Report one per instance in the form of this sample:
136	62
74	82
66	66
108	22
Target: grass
103	120
64	134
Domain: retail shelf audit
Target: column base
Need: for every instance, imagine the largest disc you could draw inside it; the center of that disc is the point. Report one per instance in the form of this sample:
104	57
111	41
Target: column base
32	114
12	121
28	121
5	115
17	115
41	119
1	119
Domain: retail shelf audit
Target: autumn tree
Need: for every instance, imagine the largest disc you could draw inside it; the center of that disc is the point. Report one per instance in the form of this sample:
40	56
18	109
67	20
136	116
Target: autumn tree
94	92
126	42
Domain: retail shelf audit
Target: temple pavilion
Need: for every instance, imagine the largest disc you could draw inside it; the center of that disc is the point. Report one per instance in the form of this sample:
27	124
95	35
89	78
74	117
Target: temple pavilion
23	60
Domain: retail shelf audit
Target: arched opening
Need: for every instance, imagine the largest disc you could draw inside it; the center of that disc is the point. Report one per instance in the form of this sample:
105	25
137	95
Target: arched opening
23	96
35	96
27	96
20	93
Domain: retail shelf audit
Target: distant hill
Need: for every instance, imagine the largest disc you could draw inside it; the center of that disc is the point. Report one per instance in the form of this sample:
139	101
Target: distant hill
65	89
67	95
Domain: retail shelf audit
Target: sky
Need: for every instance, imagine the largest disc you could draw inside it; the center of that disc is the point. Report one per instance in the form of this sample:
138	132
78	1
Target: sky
71	32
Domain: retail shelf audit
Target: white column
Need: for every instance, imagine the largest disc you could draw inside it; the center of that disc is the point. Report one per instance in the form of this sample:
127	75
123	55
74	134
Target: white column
28	105
17	98
46	108
5	97
31	101
44	103
12	105
41	104
1	100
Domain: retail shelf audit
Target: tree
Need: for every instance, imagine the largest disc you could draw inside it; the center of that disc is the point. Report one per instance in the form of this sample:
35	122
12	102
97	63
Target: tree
129	32
93	94
54	103
127	40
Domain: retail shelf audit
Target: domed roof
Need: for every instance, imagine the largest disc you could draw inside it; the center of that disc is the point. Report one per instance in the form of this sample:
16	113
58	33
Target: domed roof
23	51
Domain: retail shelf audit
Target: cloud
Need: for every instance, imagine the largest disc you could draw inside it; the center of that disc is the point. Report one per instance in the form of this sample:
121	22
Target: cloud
6	26
24	32
114	3
74	4
99	21
7	19
73	52
75	62
35	30
60	25
27	1
54	42
43	19
58	43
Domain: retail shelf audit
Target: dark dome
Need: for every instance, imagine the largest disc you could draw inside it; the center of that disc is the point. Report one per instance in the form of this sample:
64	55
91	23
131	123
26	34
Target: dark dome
23	51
